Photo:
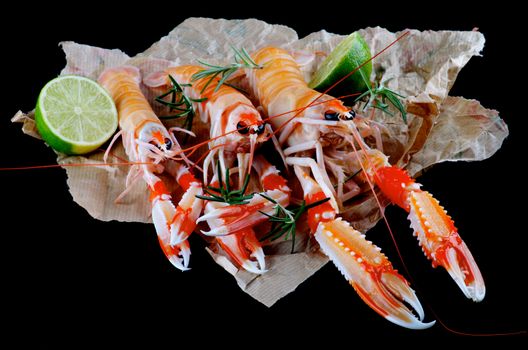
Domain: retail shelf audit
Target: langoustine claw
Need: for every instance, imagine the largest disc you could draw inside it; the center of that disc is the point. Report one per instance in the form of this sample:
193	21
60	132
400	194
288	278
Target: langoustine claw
435	230
370	273
245	250
175	224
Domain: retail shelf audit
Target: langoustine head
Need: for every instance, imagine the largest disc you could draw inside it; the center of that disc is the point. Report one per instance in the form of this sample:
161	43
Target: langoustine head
155	139
241	128
317	115
235	125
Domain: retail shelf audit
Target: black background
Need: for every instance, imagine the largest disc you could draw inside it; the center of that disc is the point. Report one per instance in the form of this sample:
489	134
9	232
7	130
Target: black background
66	274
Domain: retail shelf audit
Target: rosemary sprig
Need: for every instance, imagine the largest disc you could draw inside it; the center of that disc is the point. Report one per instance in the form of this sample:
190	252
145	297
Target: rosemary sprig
284	220
179	102
242	60
224	193
379	95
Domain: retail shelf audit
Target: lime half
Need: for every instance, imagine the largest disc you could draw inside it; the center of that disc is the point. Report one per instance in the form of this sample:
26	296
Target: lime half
75	115
348	55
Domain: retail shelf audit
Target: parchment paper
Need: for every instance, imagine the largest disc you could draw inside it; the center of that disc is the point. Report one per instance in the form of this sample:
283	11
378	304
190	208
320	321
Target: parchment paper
423	66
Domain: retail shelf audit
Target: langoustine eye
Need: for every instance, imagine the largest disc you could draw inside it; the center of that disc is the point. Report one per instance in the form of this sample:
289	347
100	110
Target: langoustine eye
168	144
331	115
350	115
242	128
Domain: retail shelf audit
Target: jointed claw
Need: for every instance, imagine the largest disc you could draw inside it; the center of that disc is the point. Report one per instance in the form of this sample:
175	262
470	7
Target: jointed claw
435	230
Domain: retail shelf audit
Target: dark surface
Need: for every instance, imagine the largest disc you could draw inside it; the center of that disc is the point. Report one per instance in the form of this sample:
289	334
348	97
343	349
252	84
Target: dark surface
64	273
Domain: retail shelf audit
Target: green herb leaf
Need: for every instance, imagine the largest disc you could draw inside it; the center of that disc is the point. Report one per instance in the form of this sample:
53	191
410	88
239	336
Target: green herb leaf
378	95
377	98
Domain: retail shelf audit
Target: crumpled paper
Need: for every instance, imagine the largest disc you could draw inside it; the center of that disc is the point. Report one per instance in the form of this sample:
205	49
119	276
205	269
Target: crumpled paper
423	66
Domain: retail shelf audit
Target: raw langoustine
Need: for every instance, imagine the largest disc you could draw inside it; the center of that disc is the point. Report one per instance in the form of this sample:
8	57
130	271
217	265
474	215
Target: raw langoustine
148	142
236	128
304	128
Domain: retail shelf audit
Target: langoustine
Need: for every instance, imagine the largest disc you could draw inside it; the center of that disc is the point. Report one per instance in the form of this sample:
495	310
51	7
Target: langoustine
236	128
308	129
148	142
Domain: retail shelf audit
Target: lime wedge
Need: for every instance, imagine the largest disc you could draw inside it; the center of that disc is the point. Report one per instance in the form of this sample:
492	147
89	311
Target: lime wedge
348	55
75	115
